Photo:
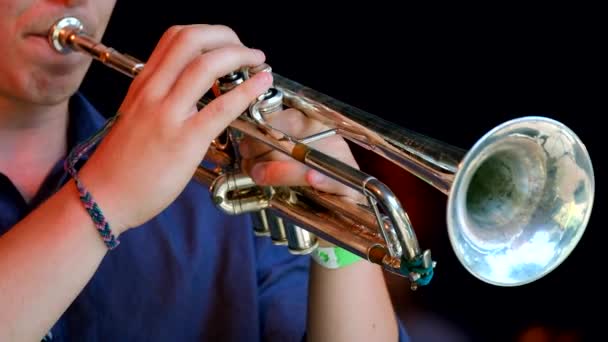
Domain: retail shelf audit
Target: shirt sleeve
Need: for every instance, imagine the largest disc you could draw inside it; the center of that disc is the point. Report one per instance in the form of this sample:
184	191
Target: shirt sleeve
283	294
403	336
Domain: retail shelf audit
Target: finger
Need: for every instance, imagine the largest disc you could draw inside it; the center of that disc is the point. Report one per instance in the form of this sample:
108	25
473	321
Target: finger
159	50
294	123
327	184
334	146
293	173
205	69
179	46
251	148
279	172
210	121
272	155
289	121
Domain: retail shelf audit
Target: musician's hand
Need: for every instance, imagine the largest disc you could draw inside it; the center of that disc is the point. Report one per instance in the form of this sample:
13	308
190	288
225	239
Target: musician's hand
160	138
330	302
270	167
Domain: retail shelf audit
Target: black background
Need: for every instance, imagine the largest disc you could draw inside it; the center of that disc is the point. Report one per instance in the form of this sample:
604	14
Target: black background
451	72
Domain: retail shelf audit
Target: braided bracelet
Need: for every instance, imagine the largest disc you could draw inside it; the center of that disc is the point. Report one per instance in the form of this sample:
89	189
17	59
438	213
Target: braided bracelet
86	198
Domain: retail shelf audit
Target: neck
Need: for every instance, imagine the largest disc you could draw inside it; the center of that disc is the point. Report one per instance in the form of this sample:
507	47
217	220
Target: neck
32	139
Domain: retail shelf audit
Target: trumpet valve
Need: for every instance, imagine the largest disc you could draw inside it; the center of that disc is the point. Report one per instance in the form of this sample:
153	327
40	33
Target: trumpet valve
226	83
264	67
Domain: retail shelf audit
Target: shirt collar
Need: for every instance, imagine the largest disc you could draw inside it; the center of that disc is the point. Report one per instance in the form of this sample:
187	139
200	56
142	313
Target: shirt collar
84	121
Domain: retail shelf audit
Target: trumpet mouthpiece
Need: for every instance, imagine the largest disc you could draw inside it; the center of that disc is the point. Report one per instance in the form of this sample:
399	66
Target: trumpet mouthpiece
61	30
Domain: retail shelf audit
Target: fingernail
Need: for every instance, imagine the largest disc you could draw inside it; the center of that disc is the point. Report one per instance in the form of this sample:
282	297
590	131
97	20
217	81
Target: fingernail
315	177
260	53
264	77
258	173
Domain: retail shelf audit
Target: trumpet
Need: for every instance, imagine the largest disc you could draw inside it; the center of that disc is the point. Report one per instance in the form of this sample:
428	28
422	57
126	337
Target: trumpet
519	200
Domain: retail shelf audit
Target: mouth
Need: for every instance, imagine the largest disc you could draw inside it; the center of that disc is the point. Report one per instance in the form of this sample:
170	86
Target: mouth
37	38
38	49
43	27
40	38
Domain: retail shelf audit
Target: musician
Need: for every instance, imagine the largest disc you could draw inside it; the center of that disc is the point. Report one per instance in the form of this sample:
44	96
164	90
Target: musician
170	267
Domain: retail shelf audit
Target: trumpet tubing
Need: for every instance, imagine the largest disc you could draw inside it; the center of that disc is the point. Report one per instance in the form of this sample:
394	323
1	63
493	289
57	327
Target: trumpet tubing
519	200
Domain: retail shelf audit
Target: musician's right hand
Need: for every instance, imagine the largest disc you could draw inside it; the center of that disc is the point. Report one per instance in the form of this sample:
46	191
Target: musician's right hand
160	137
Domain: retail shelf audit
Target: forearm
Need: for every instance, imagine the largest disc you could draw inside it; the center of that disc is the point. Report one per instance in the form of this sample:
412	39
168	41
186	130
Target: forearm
350	304
46	260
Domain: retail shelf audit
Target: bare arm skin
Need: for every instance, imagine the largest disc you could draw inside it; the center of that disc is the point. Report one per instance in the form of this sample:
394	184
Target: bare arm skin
350	304
46	260
49	256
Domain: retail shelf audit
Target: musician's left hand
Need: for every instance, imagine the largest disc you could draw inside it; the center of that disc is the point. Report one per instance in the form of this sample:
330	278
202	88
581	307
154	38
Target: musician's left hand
330	302
273	168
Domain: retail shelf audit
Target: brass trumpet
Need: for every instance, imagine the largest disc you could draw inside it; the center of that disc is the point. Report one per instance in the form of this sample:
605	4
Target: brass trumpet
519	200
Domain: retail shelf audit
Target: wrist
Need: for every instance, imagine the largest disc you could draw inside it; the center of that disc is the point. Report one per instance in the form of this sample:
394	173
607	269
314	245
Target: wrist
101	192
334	257
94	197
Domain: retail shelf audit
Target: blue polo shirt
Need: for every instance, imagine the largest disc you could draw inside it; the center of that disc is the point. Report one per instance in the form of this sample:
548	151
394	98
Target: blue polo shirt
189	274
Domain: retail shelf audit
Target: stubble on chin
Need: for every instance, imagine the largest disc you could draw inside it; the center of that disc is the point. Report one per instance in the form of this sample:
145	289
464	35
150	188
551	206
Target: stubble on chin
52	88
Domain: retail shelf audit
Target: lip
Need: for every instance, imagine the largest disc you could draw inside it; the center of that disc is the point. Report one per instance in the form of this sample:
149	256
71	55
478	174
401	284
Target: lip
36	44
42	26
36	47
38	41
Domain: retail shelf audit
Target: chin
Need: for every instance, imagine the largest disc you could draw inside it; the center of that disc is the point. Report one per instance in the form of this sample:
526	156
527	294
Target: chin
57	87
52	98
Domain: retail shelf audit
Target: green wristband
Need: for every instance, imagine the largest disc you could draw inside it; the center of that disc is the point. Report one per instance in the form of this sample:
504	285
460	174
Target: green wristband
334	257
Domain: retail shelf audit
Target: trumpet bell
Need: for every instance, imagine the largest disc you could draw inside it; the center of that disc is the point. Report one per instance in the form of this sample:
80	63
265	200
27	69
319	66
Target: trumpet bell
520	202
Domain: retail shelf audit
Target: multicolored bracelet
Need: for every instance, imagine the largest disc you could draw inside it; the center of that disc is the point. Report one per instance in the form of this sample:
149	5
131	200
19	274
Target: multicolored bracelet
334	257
86	198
